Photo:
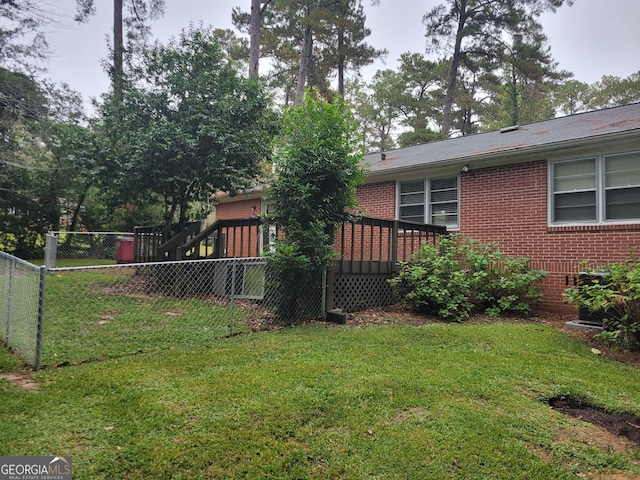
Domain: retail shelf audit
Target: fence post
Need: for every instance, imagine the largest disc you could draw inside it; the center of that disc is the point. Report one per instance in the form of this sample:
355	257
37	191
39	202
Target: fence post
233	294
39	339
323	305
51	250
12	273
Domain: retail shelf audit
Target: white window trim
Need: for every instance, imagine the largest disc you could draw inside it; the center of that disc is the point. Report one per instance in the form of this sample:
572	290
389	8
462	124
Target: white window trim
427	199
600	191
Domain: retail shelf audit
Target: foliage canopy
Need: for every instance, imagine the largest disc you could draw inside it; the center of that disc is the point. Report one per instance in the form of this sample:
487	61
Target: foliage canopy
189	125
316	176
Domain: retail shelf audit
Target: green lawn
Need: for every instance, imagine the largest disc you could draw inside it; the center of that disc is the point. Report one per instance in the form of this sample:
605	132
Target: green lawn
434	402
97	314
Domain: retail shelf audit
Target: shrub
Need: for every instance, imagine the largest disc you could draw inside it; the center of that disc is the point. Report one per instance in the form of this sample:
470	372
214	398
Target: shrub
316	176
459	275
618	297
293	284
500	283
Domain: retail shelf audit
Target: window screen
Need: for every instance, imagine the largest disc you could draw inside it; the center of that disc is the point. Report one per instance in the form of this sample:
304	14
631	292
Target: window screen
444	201
622	186
574	191
412	202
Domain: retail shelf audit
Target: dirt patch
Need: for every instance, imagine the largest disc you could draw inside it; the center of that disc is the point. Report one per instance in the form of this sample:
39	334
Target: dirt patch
619	424
21	379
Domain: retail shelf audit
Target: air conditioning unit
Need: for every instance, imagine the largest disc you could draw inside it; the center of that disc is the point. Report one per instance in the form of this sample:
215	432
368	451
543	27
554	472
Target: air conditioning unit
585	315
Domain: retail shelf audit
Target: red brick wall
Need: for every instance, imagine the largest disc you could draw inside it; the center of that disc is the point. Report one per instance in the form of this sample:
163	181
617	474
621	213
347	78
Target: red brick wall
239	209
508	205
377	200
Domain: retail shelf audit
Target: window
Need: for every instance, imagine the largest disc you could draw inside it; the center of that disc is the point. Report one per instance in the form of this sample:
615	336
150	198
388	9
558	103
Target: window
574	190
412	201
622	186
432	201
596	190
444	201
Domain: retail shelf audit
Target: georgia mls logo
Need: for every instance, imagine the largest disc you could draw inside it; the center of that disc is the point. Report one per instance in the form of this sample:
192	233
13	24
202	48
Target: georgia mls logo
35	468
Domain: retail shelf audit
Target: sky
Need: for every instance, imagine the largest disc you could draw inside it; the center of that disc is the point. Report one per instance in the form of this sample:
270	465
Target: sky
592	38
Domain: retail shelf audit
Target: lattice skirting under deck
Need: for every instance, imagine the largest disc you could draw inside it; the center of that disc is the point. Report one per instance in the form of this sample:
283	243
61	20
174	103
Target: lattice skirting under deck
354	292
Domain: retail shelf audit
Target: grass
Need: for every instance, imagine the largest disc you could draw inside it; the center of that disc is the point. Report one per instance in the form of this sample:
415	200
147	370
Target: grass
441	401
88	318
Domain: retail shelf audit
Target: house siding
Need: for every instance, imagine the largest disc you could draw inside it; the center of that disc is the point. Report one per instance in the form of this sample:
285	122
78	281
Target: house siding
507	205
240	241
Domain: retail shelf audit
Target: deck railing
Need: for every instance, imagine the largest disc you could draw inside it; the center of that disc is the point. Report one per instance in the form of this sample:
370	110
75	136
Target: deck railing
376	245
363	245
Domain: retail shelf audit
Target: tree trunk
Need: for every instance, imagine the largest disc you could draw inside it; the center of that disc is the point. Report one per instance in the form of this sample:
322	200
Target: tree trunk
341	62
254	48
305	63
453	72
76	212
118	49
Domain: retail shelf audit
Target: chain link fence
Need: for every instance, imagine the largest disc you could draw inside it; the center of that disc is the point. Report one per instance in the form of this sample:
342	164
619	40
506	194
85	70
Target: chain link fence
21	307
108	311
88	248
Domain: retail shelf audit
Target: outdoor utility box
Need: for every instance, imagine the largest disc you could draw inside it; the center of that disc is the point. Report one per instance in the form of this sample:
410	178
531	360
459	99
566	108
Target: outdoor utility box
124	250
585	315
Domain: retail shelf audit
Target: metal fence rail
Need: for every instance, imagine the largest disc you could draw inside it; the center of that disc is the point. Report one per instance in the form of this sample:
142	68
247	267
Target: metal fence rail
22	307
92	248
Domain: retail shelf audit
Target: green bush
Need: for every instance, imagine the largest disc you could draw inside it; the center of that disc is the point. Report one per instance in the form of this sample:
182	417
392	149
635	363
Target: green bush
461	275
293	284
618	297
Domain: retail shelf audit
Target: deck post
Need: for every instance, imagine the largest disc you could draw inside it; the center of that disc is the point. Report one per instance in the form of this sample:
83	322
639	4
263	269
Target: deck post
394	245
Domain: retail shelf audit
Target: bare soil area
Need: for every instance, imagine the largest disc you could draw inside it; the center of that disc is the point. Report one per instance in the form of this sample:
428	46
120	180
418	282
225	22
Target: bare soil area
619	424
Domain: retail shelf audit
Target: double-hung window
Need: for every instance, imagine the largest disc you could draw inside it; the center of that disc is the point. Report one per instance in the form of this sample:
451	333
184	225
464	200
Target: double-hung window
431	200
596	189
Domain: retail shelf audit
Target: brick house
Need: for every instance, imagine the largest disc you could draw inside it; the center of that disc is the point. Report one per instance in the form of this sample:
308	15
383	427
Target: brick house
558	192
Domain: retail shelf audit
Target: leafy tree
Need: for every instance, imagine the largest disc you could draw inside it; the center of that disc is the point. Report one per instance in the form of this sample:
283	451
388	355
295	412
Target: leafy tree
376	109
22	216
421	81
309	40
348	47
571	96
473	28
420	84
317	173
611	91
190	125
530	75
